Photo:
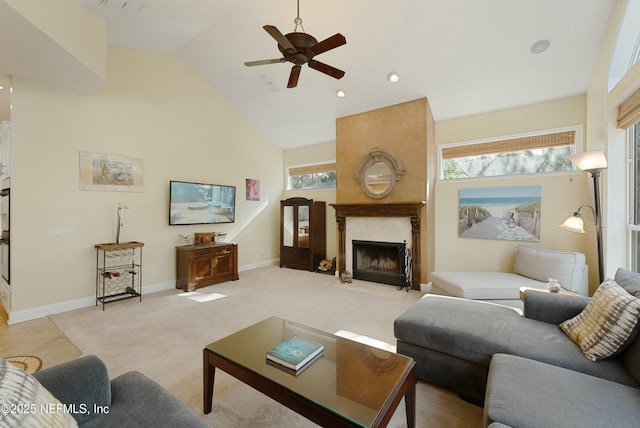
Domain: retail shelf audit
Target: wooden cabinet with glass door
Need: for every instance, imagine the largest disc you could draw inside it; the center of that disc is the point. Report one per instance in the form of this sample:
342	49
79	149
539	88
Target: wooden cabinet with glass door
302	233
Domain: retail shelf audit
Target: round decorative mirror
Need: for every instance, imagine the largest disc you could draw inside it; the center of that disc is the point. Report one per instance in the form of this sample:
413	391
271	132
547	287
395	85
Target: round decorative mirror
377	173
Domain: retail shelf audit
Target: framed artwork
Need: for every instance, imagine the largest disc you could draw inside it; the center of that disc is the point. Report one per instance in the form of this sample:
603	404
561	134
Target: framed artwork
253	189
502	213
110	173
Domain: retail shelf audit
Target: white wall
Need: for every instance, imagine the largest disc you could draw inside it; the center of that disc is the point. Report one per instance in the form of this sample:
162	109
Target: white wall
152	107
615	188
599	137
561	193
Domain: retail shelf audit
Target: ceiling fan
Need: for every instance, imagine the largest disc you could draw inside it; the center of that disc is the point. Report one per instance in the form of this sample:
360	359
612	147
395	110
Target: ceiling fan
300	48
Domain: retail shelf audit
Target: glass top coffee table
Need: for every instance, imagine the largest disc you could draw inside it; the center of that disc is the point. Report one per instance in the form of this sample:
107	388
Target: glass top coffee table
350	385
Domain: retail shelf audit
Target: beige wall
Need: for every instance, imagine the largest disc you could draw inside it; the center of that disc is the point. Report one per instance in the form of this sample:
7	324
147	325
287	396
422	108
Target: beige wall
561	193
317	153
152	107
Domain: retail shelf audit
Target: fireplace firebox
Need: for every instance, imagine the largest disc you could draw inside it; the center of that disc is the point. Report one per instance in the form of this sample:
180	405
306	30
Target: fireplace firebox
382	262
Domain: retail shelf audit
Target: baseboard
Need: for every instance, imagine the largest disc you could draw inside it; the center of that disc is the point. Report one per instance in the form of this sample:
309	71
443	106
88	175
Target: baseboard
258	265
55	308
70	305
85	302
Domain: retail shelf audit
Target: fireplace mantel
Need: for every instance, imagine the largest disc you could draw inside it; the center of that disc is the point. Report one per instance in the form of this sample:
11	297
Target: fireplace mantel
401	209
411	210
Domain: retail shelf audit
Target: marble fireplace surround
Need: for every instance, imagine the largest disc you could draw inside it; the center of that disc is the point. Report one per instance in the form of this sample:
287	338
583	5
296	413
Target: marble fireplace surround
409	210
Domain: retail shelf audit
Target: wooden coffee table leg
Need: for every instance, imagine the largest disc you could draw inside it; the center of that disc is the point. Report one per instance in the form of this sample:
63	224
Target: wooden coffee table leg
209	372
410	399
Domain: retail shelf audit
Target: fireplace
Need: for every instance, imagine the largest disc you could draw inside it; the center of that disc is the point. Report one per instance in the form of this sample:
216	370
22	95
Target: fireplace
382	262
407	212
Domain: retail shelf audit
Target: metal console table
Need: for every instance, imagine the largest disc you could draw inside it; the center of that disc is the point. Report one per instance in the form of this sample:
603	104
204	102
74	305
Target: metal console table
118	272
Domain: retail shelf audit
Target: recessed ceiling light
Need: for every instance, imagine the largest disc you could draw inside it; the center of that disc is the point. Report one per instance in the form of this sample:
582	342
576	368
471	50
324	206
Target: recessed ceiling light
393	77
1	87
340	93
540	46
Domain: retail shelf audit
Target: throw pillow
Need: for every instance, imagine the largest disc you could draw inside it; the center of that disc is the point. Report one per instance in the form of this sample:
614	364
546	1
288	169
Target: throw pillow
629	280
26	403
608	323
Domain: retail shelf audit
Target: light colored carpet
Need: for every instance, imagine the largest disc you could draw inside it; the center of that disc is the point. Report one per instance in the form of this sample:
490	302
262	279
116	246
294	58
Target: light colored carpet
163	337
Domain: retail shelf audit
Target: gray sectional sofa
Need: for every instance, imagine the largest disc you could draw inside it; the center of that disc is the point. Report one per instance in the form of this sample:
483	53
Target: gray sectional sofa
532	267
129	400
525	370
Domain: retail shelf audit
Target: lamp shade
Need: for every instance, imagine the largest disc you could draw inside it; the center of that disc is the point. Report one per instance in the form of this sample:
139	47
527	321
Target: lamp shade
588	161
573	223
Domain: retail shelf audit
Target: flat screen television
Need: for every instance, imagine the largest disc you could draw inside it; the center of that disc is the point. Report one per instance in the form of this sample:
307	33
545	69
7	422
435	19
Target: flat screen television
201	203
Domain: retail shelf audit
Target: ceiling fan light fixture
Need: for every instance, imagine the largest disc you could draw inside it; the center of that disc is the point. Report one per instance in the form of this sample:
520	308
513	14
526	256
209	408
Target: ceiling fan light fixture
300	48
340	93
393	77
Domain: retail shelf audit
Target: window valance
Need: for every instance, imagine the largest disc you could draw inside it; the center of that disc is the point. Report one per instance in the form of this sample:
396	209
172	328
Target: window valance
556	139
629	111
312	169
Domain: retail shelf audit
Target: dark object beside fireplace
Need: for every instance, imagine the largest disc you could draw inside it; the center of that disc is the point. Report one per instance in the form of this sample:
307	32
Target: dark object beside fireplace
302	233
382	262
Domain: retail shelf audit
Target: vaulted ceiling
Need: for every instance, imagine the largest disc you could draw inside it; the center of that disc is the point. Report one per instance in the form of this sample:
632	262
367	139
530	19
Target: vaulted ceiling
466	56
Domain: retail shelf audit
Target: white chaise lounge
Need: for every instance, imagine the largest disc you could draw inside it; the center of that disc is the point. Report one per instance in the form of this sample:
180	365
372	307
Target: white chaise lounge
532	267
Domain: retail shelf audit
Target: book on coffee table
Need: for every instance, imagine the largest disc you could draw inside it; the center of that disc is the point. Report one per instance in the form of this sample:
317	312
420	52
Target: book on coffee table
295	353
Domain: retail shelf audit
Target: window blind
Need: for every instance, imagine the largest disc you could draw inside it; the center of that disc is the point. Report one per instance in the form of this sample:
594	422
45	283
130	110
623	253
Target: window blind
556	139
629	111
312	169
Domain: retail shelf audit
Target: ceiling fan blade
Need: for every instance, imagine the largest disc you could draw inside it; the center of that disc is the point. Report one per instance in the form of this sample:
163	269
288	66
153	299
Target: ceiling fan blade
326	69
328	44
293	77
280	38
264	62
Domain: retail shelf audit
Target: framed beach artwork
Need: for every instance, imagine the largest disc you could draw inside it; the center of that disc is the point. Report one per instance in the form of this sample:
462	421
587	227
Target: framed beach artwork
110	173
502	213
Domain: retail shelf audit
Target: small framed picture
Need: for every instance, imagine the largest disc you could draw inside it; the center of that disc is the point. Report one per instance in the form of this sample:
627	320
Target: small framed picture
253	189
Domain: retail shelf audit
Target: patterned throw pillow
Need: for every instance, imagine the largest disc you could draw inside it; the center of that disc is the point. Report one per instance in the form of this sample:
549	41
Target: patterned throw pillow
26	403
608	323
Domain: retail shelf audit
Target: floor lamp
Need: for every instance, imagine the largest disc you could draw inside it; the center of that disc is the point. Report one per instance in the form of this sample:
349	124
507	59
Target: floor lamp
593	163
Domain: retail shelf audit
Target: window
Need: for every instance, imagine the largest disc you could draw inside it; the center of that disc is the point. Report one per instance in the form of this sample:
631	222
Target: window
524	154
316	176
634	196
629	118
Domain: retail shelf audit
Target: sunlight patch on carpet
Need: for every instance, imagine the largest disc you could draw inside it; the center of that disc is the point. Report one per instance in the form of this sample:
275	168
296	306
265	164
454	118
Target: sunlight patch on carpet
366	340
201	297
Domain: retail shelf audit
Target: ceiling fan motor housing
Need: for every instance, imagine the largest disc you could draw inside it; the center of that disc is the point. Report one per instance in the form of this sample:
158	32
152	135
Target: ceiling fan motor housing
299	48
302	42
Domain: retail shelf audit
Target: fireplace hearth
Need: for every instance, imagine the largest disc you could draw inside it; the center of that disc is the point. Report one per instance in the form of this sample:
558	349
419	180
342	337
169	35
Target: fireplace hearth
382	262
